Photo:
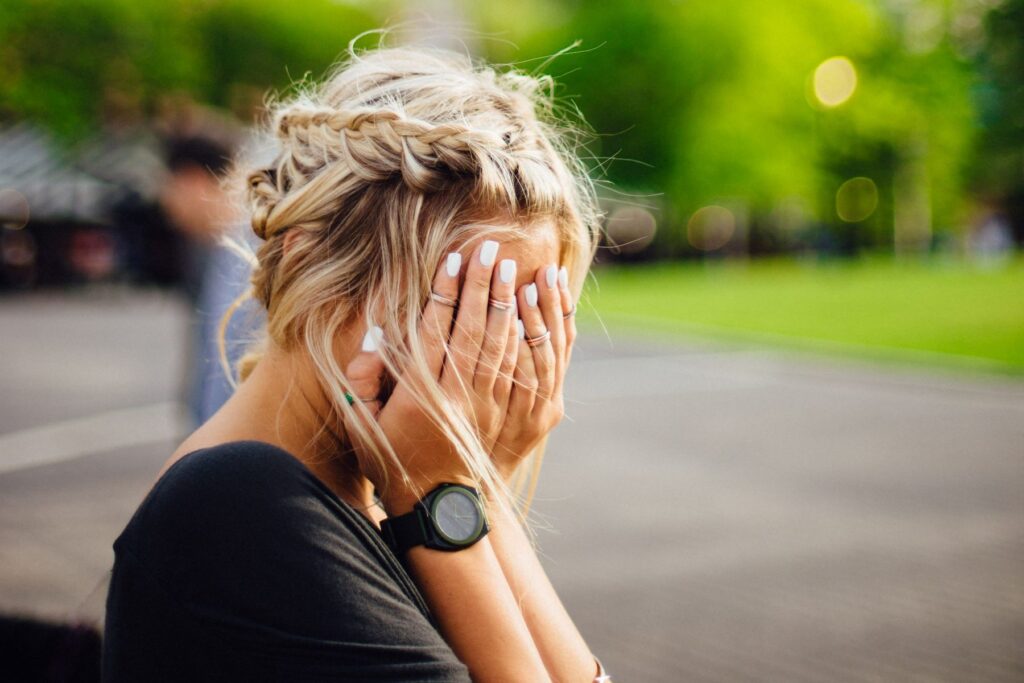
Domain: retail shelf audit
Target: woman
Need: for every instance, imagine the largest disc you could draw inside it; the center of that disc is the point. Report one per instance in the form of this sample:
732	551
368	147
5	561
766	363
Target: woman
347	514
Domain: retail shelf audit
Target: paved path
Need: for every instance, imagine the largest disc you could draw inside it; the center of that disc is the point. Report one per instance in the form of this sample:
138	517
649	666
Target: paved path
717	514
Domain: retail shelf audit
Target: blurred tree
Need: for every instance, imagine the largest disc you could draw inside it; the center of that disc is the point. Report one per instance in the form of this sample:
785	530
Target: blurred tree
710	102
713	103
73	64
998	170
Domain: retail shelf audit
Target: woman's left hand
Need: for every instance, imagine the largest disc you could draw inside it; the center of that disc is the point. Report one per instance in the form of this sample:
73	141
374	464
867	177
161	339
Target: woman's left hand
536	404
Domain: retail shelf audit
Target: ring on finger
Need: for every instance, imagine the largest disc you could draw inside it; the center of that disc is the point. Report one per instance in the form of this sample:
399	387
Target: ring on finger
570	312
502	305
443	300
539	339
352	399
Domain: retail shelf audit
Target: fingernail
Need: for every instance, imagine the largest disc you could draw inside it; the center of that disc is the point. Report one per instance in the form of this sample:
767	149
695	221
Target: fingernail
488	252
551	275
522	329
563	277
453	264
531	294
507	270
371	342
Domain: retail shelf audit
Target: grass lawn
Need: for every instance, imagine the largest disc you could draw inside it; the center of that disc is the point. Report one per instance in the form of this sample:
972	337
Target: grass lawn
933	311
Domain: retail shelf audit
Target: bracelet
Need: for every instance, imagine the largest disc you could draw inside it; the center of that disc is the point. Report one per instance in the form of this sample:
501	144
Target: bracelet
602	675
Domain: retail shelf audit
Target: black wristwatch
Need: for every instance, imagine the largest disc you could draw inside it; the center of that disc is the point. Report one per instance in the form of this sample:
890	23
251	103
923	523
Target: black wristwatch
450	517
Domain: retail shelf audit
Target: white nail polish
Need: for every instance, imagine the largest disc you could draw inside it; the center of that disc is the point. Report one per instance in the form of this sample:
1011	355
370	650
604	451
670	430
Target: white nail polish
453	264
371	341
521	328
507	270
531	294
550	275
563	277
488	252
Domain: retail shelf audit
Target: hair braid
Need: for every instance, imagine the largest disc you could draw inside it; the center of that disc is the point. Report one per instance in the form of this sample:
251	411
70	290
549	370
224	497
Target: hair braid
378	143
263	197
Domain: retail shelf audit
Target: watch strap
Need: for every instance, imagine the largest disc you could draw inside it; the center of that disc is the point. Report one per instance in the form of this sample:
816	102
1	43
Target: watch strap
405	531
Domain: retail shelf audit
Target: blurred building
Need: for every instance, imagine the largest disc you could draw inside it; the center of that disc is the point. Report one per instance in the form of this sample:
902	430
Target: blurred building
83	216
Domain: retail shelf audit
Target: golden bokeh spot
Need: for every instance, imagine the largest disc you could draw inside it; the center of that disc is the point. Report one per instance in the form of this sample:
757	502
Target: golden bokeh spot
835	81
856	199
631	229
711	227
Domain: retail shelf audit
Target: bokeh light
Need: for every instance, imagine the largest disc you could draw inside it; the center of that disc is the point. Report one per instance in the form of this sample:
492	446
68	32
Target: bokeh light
856	199
631	229
711	227
835	81
14	210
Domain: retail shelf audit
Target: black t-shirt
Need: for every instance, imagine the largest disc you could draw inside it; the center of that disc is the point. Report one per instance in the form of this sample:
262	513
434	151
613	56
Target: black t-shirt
241	565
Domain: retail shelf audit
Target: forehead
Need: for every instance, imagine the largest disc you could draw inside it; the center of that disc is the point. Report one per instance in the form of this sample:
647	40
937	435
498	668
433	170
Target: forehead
540	248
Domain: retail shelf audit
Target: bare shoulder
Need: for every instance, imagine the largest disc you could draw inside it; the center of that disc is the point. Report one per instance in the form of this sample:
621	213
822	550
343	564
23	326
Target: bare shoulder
219	429
198	440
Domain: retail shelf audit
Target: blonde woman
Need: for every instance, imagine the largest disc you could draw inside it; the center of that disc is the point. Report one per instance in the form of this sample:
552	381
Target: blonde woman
348	514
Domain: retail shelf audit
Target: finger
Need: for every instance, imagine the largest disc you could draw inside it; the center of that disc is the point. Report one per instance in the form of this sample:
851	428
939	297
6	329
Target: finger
542	353
568	321
499	321
364	373
550	304
524	380
504	382
471	318
436	320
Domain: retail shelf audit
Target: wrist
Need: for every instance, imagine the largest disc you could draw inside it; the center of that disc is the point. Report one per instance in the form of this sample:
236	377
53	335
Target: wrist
401	496
450	517
505	461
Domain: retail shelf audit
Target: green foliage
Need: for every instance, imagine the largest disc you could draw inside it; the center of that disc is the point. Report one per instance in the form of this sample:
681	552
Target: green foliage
697	102
68	63
714	101
256	44
999	85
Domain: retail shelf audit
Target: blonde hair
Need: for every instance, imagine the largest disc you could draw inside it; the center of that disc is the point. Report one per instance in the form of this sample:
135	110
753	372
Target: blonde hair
396	158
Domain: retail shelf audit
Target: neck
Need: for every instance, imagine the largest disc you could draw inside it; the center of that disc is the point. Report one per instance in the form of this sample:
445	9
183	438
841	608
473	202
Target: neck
282	403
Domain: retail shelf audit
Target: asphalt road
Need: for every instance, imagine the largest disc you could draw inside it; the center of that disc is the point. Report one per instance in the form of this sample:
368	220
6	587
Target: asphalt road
707	513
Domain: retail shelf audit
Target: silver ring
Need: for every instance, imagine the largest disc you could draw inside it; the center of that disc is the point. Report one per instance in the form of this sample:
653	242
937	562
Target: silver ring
539	339
443	300
571	312
503	305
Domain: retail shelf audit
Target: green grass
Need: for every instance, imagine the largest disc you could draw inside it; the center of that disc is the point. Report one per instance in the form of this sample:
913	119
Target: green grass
933	311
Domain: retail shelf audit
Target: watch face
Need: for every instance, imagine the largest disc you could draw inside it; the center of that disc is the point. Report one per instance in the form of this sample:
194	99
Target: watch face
457	516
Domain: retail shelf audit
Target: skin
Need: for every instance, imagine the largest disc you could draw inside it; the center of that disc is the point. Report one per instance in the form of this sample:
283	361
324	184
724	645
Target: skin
518	628
193	199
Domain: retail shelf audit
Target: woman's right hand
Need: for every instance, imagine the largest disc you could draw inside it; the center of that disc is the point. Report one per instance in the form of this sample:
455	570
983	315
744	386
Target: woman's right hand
473	366
536	404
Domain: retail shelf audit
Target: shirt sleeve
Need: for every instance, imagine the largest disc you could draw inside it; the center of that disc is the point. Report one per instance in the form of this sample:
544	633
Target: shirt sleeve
265	575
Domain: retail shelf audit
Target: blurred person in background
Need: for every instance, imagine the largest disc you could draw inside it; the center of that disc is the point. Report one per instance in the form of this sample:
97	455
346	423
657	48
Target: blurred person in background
349	513
213	274
990	240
